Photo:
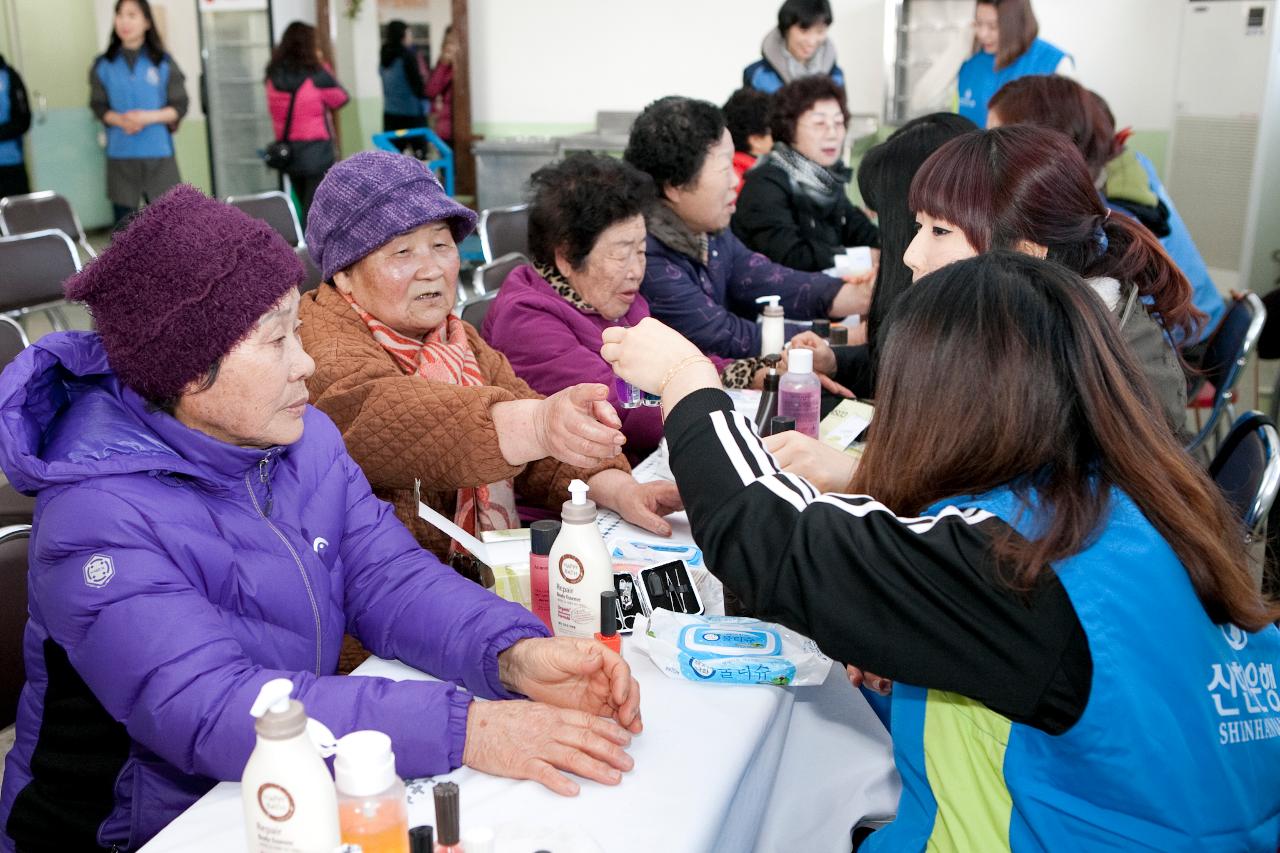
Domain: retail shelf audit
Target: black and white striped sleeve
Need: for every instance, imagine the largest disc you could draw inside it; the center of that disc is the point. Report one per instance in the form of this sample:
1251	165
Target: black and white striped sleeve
914	599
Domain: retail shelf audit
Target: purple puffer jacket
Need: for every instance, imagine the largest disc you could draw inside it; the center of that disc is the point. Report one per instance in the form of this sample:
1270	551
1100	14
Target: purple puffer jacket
172	575
553	345
713	304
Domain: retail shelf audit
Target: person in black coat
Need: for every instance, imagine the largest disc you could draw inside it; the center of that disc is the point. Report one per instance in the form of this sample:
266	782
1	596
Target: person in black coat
794	208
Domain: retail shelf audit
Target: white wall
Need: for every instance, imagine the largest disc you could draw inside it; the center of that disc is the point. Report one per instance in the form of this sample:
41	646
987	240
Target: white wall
558	61
285	12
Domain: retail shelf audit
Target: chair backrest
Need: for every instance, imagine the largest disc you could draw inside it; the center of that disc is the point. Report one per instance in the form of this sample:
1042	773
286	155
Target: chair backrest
274	208
13	340
503	230
42	211
33	268
1247	468
1226	355
488	278
313	278
474	311
13	617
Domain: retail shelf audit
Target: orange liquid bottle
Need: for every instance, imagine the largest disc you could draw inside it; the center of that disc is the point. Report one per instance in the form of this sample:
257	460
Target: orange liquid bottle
372	810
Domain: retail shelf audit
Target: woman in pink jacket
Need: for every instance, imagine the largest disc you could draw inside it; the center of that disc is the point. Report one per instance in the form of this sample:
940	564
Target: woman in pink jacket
297	74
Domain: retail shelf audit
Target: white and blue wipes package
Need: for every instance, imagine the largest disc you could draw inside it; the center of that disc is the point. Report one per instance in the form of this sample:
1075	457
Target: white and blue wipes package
729	650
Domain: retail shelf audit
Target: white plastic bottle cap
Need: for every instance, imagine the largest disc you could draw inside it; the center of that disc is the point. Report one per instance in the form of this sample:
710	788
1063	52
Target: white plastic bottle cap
365	764
800	361
478	840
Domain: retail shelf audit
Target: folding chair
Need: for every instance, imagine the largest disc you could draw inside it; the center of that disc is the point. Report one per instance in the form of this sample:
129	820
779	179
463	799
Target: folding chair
274	208
474	311
488	278
504	230
42	211
1224	360
32	270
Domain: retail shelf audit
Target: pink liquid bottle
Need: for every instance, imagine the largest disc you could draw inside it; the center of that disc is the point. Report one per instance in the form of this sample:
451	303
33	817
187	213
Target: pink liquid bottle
800	393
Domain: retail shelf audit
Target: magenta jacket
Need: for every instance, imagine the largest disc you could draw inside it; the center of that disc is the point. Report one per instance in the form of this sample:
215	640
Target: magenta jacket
318	93
552	345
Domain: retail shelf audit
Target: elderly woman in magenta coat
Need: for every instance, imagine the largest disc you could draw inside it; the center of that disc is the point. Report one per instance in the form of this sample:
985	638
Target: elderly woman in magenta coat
201	530
587	237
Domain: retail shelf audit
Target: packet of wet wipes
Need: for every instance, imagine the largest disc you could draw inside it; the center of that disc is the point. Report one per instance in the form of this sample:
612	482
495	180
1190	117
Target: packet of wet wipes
729	650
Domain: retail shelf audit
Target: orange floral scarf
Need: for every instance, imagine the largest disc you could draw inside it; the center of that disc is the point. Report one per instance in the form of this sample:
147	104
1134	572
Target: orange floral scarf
445	356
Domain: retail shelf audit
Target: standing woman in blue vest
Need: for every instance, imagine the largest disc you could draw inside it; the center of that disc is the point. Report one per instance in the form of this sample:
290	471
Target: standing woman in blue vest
139	93
15	121
1006	46
1061	596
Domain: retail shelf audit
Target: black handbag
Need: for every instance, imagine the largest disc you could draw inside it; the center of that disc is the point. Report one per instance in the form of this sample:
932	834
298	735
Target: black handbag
279	154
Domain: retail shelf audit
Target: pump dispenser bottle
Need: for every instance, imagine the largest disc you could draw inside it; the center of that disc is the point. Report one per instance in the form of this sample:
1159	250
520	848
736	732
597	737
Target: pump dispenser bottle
800	393
579	568
289	798
372	810
773	333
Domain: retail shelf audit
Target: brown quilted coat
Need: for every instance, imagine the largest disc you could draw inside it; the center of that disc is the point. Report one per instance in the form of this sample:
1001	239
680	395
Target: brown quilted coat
402	427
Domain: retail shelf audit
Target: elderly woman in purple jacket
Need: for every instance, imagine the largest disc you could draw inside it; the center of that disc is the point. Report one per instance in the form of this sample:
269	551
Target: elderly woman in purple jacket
200	530
700	279
587	237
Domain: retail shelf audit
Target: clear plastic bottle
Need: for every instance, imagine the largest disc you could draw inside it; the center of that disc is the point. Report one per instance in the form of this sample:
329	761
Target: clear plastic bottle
800	393
372	810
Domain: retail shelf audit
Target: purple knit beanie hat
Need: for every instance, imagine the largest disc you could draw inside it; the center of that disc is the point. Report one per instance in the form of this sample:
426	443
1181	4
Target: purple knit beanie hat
178	288
371	197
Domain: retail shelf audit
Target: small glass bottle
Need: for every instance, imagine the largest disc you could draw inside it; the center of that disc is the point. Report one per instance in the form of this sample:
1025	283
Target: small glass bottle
372	810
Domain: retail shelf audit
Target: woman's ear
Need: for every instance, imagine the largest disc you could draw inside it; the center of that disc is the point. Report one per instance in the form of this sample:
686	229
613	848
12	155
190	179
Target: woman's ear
1035	250
342	281
562	263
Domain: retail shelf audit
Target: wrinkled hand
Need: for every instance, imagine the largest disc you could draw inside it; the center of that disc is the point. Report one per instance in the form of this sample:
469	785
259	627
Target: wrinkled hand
644	353
824	358
858	677
578	426
645	504
829	469
532	740
573	673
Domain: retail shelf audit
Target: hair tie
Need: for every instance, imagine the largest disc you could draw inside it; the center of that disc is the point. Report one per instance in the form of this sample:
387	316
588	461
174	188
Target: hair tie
1100	236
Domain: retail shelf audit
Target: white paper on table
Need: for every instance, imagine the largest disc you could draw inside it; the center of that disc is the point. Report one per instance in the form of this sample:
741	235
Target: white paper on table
847	432
855	260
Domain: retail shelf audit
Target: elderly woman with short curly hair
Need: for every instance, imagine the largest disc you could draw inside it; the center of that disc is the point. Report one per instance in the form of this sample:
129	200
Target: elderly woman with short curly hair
587	238
793	207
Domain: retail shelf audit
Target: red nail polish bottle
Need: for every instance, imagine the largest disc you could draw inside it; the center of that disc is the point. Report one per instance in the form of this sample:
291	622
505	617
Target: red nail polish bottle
608	633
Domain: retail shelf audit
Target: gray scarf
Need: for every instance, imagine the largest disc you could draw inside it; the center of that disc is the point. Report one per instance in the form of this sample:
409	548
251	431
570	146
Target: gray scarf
670	230
774	50
822	184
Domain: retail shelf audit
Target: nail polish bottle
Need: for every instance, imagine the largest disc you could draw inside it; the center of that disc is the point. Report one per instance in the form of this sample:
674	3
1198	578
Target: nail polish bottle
780	424
821	328
608	633
628	395
839	336
422	840
448	818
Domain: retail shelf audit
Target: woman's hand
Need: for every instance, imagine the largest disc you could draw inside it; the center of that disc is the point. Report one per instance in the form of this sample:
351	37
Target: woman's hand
855	296
642	504
858	678
532	740
650	354
567	672
824	358
829	469
579	426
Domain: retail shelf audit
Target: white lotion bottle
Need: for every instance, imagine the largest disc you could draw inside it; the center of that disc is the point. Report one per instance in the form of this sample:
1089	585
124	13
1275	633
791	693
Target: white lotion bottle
290	804
773	332
579	567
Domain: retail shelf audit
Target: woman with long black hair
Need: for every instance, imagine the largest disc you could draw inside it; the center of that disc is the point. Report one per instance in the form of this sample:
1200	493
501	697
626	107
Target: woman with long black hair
301	92
138	92
1081	658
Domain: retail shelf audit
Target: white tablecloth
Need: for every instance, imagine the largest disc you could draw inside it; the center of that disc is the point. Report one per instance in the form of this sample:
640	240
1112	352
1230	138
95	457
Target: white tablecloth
718	768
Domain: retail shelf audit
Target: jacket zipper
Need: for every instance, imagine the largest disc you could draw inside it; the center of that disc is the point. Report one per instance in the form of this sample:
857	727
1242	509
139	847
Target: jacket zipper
264	476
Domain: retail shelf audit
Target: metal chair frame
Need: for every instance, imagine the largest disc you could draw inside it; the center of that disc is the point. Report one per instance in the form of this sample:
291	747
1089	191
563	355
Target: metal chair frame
482	227
1224	398
299	239
53	308
513	259
1269	483
6	229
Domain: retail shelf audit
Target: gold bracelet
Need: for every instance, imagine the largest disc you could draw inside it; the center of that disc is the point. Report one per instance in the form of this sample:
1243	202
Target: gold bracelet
693	359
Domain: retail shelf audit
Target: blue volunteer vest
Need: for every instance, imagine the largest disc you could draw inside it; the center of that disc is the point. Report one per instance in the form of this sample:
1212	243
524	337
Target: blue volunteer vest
146	87
979	80
1177	750
397	96
11	149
